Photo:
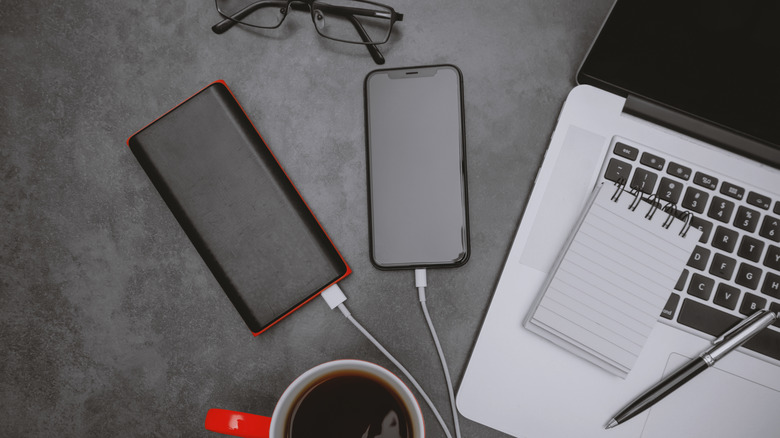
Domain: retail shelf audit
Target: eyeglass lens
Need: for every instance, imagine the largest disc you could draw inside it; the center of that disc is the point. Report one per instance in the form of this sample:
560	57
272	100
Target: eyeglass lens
345	20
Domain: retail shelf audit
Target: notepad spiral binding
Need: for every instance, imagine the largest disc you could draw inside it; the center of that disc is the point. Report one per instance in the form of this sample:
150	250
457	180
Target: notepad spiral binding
655	202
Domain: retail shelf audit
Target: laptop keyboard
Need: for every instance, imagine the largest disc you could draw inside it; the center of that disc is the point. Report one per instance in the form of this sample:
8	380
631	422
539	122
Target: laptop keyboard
735	268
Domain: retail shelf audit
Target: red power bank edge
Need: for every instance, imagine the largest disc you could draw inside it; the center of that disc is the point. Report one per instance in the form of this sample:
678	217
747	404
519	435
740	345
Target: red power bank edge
238	206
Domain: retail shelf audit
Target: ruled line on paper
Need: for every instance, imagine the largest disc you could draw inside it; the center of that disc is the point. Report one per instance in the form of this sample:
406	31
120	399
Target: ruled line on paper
608	289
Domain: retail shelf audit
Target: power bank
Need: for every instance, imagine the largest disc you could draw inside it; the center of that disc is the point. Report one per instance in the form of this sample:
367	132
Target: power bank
239	208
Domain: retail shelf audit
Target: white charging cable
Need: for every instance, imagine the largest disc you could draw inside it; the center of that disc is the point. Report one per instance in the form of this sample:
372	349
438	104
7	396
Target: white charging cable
421	282
335	297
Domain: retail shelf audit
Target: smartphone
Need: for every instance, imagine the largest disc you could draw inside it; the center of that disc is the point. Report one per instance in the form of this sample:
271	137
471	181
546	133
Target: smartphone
416	167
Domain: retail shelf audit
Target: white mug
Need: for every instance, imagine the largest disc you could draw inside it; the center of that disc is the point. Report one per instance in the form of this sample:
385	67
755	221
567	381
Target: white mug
301	396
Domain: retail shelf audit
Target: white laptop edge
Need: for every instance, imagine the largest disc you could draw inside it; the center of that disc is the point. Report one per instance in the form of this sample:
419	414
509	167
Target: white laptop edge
523	385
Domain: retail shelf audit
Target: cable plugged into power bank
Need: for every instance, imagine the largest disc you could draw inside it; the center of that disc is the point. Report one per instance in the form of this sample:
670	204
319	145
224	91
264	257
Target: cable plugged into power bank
421	282
335	298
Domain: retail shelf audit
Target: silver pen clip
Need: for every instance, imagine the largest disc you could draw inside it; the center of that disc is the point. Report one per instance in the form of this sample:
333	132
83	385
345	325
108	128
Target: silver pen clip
734	330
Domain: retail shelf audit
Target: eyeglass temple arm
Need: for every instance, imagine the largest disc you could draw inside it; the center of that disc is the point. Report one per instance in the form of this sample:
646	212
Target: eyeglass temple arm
372	48
231	21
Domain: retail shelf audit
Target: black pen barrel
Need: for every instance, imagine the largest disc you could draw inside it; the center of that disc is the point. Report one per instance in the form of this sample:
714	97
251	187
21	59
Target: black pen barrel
662	389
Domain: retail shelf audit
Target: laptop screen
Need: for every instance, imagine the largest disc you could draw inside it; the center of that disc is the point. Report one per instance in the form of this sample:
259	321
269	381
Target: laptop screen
718	60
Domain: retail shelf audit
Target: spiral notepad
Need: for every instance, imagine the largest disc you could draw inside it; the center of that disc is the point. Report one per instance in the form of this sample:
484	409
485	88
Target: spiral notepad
613	277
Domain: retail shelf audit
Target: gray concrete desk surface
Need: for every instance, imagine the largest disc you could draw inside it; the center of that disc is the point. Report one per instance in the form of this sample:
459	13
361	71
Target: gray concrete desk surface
111	324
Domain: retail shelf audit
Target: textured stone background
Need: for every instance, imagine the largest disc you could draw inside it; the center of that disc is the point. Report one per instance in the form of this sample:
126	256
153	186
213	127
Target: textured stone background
110	323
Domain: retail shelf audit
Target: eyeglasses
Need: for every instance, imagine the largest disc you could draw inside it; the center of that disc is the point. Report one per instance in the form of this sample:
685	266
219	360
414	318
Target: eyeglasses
348	21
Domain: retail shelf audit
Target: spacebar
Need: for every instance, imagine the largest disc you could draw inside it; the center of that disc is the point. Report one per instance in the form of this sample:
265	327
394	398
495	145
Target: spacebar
714	322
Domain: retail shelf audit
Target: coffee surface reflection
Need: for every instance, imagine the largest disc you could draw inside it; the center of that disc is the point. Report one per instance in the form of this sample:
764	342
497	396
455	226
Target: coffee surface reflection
349	405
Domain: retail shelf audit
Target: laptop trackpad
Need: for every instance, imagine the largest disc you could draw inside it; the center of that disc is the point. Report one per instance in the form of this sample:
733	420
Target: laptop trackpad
722	403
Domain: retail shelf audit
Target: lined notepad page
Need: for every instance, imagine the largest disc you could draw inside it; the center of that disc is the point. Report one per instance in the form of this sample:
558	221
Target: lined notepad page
612	280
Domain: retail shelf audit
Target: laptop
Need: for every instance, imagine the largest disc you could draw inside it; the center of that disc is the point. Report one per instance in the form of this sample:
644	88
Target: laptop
681	100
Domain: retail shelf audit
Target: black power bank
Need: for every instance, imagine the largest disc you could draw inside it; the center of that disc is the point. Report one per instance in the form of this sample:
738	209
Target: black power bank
242	213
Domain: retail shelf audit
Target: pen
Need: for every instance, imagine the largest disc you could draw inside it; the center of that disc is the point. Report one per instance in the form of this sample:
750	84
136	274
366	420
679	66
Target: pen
721	346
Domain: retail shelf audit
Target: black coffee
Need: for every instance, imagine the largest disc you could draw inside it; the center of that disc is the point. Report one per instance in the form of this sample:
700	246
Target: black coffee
349	405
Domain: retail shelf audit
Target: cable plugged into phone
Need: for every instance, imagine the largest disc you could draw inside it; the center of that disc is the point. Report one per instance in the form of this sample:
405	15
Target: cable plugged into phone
335	298
421	282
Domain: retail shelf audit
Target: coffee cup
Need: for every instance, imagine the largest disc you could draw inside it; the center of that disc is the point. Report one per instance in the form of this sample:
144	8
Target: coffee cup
342	398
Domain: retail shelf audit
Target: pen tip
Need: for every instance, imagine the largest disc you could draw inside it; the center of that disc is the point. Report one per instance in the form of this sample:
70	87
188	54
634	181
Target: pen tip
612	423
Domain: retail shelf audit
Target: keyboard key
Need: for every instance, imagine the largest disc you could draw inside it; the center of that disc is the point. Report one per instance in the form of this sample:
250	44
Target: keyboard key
715	322
759	201
767	342
701	286
670	307
617	170
750	248
726	296
723	266
705	318
777	207
721	209
771	285
681	281
644	180
772	258
679	171
746	218
770	228
725	239
748	276
694	199
751	304
705	180
732	190
652	161
699	257
626	151
775	307
704	225
669	190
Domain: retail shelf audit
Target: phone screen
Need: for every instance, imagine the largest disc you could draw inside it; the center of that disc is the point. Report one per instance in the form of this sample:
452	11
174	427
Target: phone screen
416	167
